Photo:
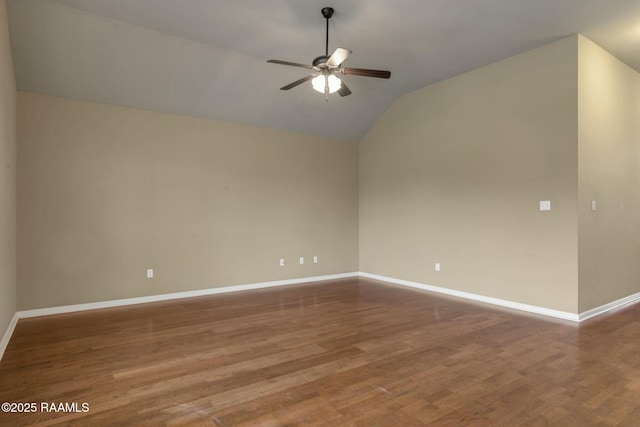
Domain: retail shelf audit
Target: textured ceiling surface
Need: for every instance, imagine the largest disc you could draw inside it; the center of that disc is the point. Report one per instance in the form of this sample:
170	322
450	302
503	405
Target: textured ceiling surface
207	58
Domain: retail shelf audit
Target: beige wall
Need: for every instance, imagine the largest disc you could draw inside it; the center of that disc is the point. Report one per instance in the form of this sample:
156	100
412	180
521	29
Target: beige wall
106	192
7	176
454	172
609	173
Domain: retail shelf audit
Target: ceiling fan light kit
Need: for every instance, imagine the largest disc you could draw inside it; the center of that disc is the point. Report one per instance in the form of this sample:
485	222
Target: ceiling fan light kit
326	67
321	82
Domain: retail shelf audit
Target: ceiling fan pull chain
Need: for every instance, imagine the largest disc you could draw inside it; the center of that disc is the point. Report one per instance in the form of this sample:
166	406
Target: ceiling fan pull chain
326	85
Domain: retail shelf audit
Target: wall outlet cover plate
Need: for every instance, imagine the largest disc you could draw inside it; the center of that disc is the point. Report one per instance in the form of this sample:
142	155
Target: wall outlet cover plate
545	205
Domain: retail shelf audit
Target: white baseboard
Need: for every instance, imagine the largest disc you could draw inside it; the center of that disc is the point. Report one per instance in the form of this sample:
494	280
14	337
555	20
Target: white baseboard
177	295
7	335
226	289
479	298
609	306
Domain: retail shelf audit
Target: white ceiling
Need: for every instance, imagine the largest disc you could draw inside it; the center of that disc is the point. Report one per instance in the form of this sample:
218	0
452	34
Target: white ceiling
207	58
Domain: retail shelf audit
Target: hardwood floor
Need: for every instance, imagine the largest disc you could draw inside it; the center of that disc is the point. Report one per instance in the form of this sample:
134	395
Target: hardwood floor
348	352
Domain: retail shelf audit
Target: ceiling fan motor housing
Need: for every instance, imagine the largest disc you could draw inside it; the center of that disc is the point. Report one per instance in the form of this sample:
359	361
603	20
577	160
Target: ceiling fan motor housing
320	61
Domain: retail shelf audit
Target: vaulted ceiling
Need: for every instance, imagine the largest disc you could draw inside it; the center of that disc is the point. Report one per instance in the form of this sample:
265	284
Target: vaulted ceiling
207	58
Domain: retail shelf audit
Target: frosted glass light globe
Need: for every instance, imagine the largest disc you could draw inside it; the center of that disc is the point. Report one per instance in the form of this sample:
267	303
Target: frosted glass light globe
318	83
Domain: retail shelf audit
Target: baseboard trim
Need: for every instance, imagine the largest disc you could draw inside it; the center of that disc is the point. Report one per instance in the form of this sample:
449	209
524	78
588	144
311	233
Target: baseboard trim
176	295
246	287
609	306
478	298
7	335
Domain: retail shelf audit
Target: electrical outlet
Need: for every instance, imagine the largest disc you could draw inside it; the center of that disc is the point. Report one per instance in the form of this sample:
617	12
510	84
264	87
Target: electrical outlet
149	273
301	260
593	205
545	205
281	262
437	266
315	259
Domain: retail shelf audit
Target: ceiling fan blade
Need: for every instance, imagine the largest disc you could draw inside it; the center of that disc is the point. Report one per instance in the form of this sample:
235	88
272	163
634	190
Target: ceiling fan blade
344	90
381	74
338	57
293	64
298	82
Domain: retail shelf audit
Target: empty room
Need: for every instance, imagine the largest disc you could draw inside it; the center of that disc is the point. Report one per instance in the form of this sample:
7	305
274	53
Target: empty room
298	213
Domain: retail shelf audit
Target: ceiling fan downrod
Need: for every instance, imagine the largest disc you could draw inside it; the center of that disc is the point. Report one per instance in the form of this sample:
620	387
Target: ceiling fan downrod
327	12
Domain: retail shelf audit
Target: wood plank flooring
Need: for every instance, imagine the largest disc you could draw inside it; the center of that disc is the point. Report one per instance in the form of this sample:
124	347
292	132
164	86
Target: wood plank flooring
347	352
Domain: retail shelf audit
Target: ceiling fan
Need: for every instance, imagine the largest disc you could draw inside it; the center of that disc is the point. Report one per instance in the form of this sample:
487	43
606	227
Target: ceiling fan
327	67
